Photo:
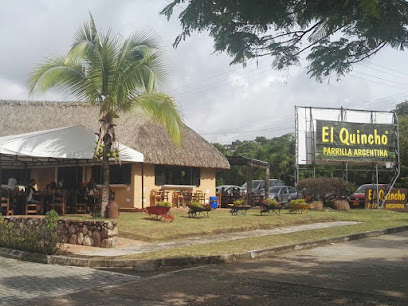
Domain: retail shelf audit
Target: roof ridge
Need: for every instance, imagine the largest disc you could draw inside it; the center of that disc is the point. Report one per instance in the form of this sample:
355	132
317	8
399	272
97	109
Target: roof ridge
42	103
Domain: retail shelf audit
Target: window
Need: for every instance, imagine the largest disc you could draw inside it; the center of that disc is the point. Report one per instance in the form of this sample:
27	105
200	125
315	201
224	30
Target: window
171	175
118	174
70	175
21	175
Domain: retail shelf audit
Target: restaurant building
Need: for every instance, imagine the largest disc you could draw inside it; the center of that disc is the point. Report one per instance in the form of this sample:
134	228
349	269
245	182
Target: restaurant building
166	165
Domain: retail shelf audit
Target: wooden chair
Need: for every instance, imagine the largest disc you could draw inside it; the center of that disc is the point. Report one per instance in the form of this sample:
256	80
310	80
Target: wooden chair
164	195
5	208
199	197
177	199
187	197
155	197
80	205
58	202
32	208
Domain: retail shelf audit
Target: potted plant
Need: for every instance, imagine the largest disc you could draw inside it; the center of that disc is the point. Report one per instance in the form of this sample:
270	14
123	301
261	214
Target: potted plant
164	204
240	202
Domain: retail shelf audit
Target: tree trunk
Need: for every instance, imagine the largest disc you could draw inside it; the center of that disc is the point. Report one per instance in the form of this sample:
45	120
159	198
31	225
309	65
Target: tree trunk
105	190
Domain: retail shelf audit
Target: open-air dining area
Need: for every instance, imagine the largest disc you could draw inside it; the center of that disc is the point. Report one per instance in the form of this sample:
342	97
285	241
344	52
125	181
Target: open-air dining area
52	197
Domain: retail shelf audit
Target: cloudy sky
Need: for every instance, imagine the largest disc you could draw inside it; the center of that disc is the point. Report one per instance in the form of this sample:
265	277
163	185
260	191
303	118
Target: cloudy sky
222	103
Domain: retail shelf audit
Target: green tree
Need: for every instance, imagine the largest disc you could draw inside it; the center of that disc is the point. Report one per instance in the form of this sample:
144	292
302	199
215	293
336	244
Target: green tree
334	34
115	74
401	109
279	152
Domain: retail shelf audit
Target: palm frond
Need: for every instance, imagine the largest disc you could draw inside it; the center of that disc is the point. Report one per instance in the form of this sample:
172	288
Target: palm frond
161	108
54	73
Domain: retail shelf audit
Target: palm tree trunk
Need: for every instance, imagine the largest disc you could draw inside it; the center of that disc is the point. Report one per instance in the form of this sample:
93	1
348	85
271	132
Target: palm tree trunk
105	171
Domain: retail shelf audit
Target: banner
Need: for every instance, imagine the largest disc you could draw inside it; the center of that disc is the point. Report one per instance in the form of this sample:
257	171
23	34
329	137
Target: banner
396	199
363	142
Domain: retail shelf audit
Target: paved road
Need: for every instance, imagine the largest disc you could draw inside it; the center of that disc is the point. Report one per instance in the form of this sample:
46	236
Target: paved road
371	271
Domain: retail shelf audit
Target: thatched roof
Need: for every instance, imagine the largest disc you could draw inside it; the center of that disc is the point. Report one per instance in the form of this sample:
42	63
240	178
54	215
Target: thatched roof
135	131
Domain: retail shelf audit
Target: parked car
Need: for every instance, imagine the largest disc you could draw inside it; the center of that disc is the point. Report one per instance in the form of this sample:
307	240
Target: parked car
284	194
229	189
358	198
258	186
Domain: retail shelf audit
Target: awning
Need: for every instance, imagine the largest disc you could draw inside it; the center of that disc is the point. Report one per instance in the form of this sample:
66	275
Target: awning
72	145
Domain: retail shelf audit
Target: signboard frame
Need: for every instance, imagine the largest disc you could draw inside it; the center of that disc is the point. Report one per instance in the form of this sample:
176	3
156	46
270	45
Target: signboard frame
305	136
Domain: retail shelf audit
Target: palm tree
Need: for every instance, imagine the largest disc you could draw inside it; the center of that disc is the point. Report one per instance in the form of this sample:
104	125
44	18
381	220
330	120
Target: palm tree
116	74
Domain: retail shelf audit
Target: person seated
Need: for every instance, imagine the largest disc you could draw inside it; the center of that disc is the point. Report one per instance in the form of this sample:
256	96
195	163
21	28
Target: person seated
81	195
48	194
91	187
32	193
12	191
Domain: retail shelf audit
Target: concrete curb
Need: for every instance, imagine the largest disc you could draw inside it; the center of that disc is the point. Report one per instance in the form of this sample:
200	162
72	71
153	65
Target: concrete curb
155	264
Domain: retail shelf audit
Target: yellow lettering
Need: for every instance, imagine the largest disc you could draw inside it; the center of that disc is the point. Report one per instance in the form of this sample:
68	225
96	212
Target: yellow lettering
325	134
343	136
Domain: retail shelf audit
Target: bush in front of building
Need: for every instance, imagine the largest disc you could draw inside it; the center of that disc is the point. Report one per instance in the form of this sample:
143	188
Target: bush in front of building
325	189
32	235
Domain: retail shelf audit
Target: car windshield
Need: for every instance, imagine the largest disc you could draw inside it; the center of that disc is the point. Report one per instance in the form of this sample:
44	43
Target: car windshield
277	183
255	184
362	188
274	189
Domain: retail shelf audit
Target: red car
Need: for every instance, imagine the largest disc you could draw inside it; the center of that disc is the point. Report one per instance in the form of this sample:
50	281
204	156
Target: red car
357	199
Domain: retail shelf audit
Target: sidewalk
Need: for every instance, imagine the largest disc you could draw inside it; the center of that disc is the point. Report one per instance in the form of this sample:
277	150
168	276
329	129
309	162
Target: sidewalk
130	247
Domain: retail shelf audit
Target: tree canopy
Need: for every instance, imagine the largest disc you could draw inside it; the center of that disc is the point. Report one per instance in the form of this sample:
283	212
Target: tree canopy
333	34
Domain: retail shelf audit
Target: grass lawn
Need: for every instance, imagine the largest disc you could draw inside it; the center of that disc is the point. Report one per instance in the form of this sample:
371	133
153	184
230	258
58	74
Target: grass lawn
137	226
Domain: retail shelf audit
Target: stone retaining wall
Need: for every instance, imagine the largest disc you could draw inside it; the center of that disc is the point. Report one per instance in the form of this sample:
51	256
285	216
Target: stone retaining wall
91	233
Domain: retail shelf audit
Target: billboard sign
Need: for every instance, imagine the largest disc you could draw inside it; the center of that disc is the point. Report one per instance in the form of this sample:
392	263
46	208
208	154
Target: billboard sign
396	199
358	142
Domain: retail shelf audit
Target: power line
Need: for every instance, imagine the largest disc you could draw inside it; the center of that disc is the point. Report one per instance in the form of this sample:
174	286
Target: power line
386	67
353	76
378	70
277	126
373	76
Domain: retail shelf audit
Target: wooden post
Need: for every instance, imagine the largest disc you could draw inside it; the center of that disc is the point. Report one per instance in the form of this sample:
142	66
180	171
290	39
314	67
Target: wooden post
267	183
249	183
0	173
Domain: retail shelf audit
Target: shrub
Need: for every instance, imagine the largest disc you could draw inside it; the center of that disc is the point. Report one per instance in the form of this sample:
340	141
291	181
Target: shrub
316	205
240	202
298	201
196	204
39	236
341	205
271	202
164	203
325	189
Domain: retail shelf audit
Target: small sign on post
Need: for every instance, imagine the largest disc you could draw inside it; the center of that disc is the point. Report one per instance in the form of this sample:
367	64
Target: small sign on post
395	200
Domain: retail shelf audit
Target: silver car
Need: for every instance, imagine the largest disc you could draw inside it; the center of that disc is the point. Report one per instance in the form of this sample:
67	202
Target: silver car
284	194
228	189
258	186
